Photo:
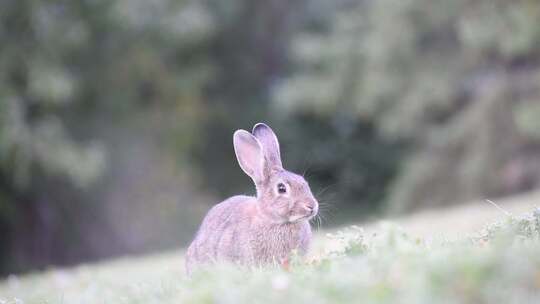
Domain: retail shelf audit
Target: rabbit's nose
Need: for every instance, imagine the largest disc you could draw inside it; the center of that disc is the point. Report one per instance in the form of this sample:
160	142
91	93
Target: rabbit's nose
311	207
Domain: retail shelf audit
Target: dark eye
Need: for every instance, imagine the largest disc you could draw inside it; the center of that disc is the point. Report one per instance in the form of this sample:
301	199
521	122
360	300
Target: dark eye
281	188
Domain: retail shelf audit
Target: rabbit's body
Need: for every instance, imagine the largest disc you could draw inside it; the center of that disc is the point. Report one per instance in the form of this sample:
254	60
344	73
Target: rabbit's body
265	243
257	230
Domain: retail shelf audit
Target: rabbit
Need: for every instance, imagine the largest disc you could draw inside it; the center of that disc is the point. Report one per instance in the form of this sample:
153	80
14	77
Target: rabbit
261	229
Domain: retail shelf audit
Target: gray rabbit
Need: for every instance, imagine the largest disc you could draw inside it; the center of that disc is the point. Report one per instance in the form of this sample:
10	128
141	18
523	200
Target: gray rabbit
257	230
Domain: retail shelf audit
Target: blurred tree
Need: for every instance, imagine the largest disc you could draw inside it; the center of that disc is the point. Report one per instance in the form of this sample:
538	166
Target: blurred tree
75	77
448	78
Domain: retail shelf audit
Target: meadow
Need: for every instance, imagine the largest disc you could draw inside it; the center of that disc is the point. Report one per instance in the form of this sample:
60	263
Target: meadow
382	263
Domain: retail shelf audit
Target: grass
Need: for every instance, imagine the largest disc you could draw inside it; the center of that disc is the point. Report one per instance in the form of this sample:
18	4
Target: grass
499	264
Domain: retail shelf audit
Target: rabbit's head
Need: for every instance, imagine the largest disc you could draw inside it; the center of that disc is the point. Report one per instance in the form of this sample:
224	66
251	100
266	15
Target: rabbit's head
283	196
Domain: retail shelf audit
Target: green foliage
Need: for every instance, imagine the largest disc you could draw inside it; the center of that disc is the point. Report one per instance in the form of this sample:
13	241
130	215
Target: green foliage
76	80
500	266
65	65
457	81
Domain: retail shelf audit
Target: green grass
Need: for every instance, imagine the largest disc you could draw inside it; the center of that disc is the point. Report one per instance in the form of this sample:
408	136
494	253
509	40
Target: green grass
500	264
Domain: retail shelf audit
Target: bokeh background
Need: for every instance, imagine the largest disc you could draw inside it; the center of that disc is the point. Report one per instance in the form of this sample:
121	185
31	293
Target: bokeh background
116	116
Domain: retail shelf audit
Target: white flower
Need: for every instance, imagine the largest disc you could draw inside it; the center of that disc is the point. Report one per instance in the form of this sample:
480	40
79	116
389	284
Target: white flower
280	282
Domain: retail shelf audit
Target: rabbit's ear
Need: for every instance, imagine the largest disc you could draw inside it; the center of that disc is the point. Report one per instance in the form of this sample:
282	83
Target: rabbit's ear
249	154
270	144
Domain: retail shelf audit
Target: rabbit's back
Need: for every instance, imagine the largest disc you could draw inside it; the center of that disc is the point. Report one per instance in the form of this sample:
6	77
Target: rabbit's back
220	234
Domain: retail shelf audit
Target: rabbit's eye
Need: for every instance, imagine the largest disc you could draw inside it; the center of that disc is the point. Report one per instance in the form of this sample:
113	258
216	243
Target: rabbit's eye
281	189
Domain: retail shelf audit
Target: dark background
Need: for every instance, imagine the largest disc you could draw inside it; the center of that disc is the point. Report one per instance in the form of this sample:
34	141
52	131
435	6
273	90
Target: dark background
116	116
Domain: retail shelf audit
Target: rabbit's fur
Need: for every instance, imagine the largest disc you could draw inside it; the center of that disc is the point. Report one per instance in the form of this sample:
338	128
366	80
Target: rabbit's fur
263	229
